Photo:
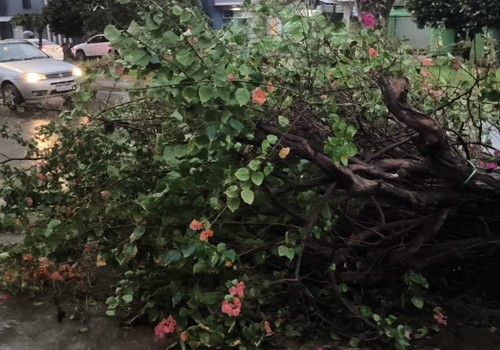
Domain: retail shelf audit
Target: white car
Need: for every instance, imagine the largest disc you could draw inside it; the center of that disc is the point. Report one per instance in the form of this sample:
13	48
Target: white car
28	74
50	48
97	46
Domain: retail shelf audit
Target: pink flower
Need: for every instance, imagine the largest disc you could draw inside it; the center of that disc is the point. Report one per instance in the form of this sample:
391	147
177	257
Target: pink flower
426	62
425	73
491	166
166	326
372	52
4	296
238	289
230	77
267	328
368	20
195	225
456	64
407	335
258	96
439	316
233	308
105	194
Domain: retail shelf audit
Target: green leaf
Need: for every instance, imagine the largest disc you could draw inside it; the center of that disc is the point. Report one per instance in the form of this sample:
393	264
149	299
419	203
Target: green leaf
171	257
138	232
242	174
112	33
247	196
283	250
272	139
177	10
127	298
283	121
258	178
129	251
254	164
184	57
170	39
242	96
232	191
205	92
418	302
233	203
113	172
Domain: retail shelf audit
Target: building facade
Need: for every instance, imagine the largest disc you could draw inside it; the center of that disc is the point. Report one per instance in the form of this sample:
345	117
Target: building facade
10	8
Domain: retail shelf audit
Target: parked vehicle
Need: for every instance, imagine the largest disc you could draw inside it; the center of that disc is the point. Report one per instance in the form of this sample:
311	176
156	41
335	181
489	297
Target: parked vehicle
97	46
50	48
27	73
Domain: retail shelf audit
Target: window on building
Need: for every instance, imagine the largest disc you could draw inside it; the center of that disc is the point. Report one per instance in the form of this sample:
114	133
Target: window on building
26	4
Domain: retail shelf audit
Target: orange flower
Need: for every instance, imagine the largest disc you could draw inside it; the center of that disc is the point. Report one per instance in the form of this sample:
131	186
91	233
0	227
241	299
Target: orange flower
195	225
426	61
229	264
204	235
329	74
184	336
323	96
258	96
270	86
56	276
28	257
372	52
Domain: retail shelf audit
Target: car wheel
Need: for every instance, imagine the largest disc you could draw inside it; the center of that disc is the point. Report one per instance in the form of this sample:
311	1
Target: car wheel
11	96
80	55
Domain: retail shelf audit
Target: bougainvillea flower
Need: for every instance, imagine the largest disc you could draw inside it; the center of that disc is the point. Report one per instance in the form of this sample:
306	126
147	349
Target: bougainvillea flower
195	225
425	73
267	328
238	289
184	336
166	326
233	308
372	52
427	62
439	316
368	20
204	235
258	96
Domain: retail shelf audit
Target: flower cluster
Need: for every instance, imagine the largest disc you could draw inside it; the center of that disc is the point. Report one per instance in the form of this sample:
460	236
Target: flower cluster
258	96
231	305
196	225
439	316
166	326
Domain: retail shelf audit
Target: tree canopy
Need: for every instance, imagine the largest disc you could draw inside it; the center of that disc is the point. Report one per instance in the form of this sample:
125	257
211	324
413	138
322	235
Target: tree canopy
468	15
71	18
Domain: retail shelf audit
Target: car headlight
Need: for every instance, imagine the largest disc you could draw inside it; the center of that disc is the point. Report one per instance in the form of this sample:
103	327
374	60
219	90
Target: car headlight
32	77
77	72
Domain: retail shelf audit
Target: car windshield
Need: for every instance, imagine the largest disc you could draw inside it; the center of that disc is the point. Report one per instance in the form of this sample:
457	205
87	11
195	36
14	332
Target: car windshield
19	52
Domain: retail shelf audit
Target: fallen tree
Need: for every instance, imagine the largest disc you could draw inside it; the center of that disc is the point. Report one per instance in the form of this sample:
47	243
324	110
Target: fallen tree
263	185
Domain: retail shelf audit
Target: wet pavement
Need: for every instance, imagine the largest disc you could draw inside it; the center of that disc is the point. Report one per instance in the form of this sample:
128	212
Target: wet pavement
29	325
